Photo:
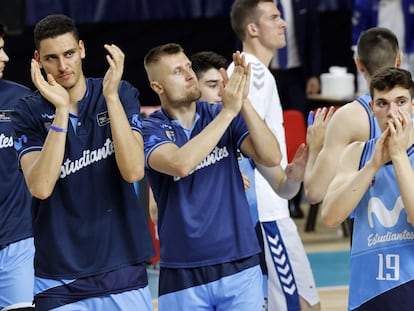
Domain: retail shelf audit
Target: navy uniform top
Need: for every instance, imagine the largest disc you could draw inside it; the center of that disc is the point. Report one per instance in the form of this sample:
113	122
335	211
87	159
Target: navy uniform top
92	222
15	219
203	218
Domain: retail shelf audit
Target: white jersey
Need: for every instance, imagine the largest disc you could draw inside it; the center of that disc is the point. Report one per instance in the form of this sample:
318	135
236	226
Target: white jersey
265	99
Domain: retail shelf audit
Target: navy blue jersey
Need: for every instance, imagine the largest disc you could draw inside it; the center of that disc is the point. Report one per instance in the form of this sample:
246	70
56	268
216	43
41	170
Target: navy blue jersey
203	218
92	222
15	219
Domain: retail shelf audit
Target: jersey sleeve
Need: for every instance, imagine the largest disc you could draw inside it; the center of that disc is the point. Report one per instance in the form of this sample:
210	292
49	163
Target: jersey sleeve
132	106
28	133
154	135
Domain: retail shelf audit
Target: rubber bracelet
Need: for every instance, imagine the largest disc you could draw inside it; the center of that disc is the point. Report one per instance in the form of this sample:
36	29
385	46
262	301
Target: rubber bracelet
58	129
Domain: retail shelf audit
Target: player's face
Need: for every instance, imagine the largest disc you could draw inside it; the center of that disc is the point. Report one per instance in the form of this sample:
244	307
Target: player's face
3	57
178	80
271	26
61	57
388	102
209	83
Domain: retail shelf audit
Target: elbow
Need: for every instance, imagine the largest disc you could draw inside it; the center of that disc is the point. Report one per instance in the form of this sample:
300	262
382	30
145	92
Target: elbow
312	196
270	161
182	170
133	175
41	193
329	220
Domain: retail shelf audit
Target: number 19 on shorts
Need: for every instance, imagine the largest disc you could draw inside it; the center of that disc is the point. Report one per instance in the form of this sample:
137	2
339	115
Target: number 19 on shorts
388	267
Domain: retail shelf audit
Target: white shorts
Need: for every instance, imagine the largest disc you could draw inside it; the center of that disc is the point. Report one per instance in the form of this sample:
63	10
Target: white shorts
284	252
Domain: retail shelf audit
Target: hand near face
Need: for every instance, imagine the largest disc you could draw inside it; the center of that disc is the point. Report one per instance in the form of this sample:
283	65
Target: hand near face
400	126
50	89
116	68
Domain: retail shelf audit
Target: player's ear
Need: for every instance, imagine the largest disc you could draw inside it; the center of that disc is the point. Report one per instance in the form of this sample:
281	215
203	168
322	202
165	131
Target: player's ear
252	30
156	87
36	55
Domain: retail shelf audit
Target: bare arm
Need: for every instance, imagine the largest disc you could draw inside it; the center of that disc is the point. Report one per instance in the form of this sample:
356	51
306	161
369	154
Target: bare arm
286	183
347	187
153	209
41	169
261	145
341	130
129	151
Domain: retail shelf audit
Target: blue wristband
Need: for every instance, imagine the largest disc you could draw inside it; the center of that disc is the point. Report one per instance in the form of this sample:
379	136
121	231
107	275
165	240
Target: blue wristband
310	118
57	129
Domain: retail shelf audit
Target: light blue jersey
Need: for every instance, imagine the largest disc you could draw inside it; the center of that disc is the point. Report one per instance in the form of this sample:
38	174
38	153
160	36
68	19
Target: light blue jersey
382	256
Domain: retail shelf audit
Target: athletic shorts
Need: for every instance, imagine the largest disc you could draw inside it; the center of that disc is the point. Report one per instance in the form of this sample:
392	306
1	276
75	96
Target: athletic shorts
16	273
137	299
288	267
241	291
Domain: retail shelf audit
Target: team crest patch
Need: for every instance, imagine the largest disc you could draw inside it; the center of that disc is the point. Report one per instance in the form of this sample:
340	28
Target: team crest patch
5	115
103	118
170	134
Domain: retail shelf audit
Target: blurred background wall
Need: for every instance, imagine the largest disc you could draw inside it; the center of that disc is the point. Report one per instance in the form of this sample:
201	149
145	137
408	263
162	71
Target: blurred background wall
138	25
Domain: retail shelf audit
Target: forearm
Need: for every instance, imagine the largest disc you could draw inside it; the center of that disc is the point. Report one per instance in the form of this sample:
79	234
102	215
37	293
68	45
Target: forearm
318	177
128	144
42	169
281	184
265	145
182	160
340	201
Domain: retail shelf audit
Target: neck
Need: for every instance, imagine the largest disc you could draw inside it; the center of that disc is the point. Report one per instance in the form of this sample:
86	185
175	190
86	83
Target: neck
76	93
259	51
185	114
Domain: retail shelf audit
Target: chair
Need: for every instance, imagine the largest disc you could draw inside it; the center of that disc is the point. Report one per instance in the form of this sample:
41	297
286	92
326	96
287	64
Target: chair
295	131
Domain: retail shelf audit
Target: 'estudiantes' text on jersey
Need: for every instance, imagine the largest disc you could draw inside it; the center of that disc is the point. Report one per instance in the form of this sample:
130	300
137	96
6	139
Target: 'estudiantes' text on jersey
203	218
265	99
89	192
15	199
382	255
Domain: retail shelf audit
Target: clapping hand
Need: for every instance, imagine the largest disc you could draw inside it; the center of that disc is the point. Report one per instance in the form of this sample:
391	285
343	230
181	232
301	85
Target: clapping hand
50	89
116	68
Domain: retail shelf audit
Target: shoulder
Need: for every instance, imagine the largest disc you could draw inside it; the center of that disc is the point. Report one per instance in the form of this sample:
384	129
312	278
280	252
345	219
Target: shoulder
352	119
13	85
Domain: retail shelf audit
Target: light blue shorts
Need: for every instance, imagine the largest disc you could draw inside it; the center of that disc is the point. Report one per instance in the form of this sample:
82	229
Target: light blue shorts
16	273
137	299
238	292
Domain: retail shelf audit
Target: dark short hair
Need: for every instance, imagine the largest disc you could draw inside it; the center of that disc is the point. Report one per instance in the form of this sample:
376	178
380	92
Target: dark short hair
377	48
242	13
390	77
52	26
205	60
156	53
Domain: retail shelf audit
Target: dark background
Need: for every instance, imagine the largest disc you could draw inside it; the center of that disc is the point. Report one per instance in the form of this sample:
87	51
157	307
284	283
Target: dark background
138	25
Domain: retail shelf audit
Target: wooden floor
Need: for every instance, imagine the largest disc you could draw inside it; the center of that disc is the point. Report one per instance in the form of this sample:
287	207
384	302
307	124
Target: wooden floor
323	239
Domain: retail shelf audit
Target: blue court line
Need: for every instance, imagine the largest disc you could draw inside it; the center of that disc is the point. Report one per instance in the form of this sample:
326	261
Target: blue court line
330	268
